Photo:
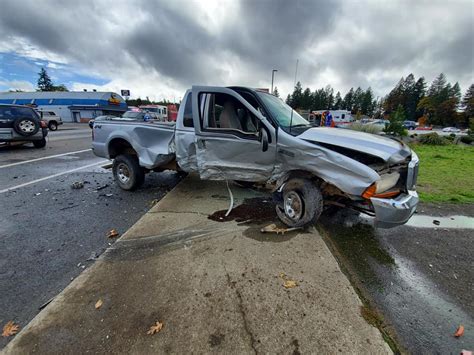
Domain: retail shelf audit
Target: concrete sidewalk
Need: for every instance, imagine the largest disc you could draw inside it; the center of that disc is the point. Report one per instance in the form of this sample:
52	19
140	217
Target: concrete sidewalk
216	286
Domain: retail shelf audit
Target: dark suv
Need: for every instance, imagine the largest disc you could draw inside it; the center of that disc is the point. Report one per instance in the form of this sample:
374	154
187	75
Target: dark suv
22	124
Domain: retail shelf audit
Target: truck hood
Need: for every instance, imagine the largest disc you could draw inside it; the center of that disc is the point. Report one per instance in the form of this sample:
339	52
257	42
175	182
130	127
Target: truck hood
389	150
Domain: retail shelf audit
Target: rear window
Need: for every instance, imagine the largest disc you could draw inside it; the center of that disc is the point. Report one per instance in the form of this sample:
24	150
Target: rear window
12	112
188	112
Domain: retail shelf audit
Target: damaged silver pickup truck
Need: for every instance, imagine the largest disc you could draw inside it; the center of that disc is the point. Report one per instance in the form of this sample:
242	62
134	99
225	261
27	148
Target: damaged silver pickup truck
246	135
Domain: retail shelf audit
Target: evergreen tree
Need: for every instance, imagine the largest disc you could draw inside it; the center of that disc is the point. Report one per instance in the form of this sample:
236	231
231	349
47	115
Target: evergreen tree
395	127
297	96
349	100
358	97
275	92
44	81
420	90
468	102
338	101
306	99
288	100
367	102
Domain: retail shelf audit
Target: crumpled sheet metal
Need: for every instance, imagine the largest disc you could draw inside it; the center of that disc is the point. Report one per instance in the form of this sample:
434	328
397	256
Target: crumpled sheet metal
186	150
155	147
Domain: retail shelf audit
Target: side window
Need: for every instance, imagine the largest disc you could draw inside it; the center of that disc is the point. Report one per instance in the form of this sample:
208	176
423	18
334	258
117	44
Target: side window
23	112
188	112
226	112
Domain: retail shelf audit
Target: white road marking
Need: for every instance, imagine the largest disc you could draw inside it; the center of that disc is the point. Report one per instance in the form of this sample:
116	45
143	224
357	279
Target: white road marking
50	177
43	158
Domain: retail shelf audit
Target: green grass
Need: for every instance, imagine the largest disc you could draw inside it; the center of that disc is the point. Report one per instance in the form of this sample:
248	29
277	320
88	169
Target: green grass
446	173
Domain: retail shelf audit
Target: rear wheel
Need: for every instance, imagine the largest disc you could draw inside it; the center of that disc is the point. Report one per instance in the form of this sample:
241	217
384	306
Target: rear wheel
52	126
302	203
40	144
127	172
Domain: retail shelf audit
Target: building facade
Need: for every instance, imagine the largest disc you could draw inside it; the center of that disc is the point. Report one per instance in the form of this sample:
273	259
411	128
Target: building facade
72	106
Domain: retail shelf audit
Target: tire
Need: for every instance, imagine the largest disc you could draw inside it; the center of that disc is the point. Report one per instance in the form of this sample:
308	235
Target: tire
53	126
302	203
40	144
127	172
26	126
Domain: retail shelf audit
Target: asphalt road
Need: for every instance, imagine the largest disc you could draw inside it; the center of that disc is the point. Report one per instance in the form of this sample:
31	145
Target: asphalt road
50	232
420	279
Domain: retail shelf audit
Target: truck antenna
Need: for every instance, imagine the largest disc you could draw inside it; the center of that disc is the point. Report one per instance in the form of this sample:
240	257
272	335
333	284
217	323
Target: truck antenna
296	71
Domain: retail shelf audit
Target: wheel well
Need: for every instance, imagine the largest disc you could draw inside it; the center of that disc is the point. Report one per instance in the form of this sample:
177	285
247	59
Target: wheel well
119	146
52	121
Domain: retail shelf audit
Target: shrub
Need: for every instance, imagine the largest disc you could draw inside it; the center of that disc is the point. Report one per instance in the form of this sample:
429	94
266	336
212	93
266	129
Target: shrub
395	127
433	139
467	139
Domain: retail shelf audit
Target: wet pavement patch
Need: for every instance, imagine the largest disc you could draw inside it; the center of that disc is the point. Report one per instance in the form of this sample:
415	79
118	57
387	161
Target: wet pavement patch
256	210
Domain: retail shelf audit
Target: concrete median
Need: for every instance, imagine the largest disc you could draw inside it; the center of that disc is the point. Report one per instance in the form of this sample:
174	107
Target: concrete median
215	286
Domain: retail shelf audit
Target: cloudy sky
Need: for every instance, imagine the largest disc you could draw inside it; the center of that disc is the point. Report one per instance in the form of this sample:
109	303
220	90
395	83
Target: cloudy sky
159	48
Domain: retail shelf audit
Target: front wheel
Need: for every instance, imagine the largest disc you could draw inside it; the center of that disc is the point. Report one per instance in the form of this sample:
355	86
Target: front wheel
40	144
127	172
302	203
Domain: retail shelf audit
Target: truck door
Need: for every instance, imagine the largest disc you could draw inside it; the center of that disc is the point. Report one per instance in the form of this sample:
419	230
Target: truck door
234	141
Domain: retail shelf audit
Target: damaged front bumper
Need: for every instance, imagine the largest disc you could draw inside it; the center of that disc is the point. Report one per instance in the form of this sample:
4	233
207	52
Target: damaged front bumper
394	212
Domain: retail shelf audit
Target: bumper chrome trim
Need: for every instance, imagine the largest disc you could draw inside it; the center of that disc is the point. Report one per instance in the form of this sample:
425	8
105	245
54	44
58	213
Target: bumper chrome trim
394	212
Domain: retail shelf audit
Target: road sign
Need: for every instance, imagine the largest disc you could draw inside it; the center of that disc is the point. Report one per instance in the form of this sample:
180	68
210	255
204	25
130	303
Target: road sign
125	92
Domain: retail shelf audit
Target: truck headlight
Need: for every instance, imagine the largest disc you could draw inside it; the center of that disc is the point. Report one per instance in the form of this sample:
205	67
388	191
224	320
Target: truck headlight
378	188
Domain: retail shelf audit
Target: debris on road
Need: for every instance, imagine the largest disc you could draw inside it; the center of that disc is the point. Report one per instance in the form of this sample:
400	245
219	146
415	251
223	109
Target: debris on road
272	228
77	185
288	283
46	303
156	328
10	329
98	304
112	233
102	187
154	202
459	331
435	221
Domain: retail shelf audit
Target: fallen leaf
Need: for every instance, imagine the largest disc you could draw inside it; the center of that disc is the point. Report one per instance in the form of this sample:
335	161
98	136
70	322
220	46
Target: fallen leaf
282	275
112	233
98	304
459	332
289	284
10	329
156	328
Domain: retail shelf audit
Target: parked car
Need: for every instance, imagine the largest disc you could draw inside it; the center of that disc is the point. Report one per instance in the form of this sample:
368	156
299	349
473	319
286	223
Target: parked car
451	129
22	124
428	128
52	119
379	123
246	135
410	125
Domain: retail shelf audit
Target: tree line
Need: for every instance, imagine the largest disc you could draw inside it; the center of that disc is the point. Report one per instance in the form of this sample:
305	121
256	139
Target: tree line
441	104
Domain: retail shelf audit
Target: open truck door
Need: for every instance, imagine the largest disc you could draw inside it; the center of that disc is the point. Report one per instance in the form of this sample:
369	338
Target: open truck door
234	141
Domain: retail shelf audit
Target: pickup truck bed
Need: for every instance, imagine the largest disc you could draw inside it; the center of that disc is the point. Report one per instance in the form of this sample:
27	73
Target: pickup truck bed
153	141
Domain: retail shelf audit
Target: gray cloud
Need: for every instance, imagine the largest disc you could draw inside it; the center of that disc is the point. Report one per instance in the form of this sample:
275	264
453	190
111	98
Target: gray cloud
223	42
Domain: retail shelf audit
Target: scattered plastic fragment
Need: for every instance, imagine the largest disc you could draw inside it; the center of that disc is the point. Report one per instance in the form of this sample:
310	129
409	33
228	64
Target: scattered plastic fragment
156	328
435	221
112	233
10	329
77	185
272	228
98	304
459	331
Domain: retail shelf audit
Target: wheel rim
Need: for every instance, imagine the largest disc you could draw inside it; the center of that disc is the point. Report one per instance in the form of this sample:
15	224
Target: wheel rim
123	173
27	126
293	205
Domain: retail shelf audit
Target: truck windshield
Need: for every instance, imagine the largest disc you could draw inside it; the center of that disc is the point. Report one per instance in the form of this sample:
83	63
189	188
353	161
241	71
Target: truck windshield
283	114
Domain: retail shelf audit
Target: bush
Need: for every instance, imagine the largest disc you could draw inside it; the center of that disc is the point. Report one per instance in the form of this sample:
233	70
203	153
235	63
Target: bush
433	139
395	127
467	139
367	128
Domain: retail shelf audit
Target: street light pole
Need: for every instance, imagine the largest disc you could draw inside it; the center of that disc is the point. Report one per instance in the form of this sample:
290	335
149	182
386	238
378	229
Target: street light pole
273	73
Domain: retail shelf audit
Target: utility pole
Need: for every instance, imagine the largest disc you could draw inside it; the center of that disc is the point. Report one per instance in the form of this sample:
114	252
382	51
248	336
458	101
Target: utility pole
273	73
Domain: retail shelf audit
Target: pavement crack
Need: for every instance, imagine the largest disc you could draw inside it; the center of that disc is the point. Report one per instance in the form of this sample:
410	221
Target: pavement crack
253	341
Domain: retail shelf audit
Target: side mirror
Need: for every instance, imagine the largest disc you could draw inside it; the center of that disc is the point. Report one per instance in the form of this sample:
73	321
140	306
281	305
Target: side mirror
264	139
